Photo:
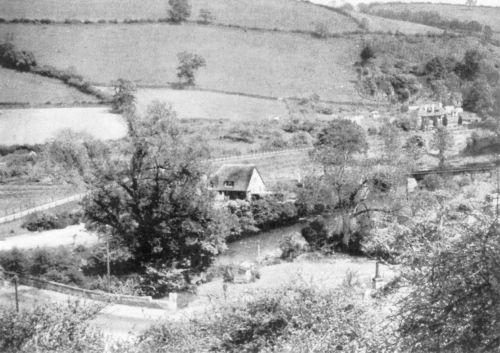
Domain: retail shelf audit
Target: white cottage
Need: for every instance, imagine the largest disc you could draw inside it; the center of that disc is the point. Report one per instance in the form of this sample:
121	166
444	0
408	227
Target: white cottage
237	182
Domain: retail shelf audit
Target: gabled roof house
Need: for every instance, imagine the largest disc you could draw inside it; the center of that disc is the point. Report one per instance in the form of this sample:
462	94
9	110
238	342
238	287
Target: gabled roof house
237	181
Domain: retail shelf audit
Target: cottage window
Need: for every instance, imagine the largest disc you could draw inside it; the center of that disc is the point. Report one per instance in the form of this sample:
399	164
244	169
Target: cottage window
229	184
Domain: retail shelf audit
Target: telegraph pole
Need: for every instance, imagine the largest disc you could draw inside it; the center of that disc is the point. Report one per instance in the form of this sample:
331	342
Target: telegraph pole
498	186
108	268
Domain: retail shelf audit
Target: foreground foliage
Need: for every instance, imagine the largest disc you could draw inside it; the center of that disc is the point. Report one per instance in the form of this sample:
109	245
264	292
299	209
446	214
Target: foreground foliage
296	318
54	328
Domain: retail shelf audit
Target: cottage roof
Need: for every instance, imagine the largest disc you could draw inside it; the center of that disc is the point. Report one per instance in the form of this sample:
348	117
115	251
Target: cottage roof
238	174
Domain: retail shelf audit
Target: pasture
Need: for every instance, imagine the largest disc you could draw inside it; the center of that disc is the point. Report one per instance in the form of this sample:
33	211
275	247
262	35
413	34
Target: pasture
16	198
268	14
265	63
482	14
193	104
26	88
32	126
376	24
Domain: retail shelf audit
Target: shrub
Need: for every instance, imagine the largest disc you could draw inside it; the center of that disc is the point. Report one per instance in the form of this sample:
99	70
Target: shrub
15	260
15	59
160	282
205	16
291	246
269	213
58	265
301	139
275	141
320	31
432	182
51	328
367	53
38	222
289	319
120	260
316	233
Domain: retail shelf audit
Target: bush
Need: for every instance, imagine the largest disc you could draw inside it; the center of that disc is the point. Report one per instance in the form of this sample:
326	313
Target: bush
51	328
367	53
269	213
301	139
58	265
316	233
15	260
289	319
160	282
320	31
292	246
120	260
432	182
38	222
12	58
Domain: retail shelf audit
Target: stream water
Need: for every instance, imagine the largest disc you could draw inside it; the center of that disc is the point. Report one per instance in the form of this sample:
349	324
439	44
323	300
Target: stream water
247	249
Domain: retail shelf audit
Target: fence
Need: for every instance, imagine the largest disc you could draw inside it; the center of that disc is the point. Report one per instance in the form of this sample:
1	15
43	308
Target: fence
142	301
43	207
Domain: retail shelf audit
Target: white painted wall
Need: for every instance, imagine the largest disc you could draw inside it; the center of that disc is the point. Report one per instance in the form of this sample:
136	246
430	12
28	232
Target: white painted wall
256	185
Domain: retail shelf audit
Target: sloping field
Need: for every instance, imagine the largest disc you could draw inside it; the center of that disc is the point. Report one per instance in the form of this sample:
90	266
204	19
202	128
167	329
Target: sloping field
16	198
376	24
210	105
482	14
16	87
274	64
270	14
276	168
31	126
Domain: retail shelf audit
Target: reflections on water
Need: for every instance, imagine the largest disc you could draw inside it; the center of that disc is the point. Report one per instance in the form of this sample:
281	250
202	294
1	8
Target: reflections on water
246	249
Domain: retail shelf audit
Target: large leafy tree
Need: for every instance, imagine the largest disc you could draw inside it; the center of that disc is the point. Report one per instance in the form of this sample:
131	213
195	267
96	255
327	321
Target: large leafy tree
346	185
153	199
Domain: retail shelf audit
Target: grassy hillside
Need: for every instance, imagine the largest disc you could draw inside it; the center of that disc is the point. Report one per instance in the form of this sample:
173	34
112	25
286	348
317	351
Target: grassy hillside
270	14
484	15
210	105
268	63
16	87
376	23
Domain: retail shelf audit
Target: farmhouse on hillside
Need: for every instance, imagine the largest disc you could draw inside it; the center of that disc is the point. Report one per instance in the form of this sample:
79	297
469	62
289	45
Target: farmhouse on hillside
237	182
433	115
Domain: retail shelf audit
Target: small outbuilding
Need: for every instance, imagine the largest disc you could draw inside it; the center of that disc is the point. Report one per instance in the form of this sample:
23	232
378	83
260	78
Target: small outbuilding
237	182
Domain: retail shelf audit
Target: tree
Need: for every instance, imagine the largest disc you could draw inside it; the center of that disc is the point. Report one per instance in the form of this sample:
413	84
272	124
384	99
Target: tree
454	304
478	97
487	33
153	200
179	11
367	53
205	16
471	3
470	67
392	140
442	140
346	185
188	64
124	96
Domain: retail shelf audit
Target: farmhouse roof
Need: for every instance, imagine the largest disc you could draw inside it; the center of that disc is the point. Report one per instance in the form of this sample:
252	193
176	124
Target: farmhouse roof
239	174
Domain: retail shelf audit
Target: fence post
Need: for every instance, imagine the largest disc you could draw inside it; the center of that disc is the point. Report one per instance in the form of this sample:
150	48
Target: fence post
17	296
